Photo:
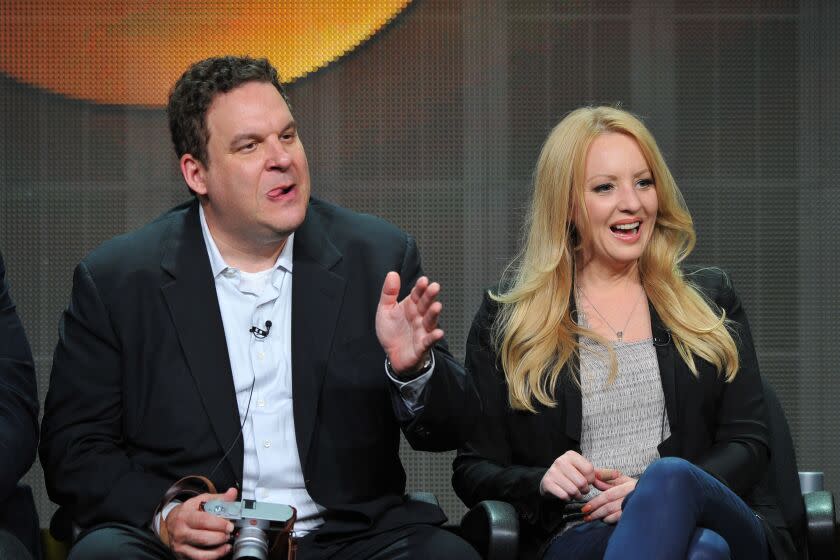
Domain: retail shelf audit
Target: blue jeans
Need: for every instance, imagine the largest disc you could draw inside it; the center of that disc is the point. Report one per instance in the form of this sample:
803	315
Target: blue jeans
677	511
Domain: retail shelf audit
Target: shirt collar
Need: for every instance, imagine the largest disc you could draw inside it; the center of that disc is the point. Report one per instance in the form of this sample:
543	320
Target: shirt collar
217	262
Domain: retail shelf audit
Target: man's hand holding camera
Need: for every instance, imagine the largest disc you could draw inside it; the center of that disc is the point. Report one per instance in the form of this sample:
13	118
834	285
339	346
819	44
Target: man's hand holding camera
196	534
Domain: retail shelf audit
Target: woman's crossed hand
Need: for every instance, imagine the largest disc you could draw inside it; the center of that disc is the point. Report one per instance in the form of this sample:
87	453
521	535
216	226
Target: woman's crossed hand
569	477
614	486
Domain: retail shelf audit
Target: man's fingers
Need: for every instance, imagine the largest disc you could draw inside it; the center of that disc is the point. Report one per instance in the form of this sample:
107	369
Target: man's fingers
431	338
431	315
206	539
197	553
199	521
195	518
428	297
390	290
418	290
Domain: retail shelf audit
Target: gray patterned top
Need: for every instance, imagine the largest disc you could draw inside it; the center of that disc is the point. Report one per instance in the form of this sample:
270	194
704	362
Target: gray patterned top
623	422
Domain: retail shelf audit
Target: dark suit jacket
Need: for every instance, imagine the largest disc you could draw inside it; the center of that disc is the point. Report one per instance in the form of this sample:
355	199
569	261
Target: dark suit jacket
716	425
142	392
18	396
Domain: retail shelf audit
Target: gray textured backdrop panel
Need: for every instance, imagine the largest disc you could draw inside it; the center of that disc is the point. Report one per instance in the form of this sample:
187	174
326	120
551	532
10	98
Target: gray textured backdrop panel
436	124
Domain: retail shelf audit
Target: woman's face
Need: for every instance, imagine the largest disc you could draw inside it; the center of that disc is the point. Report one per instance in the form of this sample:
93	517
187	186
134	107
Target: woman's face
620	198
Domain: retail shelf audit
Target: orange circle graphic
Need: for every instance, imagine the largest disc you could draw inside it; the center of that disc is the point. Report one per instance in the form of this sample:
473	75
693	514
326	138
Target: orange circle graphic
131	52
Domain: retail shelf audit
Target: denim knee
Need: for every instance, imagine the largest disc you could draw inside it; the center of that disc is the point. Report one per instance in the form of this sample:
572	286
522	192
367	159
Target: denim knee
669	474
707	545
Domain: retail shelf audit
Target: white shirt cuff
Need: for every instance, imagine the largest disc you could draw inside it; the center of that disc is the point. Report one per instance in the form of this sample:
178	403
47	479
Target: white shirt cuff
162	515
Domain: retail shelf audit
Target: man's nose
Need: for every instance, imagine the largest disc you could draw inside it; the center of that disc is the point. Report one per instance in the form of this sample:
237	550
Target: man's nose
278	155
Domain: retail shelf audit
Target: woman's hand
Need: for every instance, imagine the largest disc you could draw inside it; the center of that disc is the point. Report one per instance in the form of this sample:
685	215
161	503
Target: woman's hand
569	477
614	486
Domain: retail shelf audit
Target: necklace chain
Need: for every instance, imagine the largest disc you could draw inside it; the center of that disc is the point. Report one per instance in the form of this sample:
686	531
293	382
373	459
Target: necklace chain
619	335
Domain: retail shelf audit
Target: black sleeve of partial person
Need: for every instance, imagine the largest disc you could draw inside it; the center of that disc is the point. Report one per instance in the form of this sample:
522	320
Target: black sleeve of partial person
18	395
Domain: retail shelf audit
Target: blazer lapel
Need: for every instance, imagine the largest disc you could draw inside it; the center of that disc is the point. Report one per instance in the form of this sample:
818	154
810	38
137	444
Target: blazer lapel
194	306
569	385
570	381
666	355
317	294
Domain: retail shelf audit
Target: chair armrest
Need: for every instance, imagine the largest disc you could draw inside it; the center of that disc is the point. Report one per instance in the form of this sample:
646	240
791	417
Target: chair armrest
492	528
419	496
820	524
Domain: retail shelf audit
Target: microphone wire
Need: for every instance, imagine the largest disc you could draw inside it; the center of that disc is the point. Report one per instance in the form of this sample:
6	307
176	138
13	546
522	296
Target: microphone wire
239	435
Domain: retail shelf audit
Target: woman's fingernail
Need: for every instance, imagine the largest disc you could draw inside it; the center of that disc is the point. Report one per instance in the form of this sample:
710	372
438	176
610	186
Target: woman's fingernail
587	518
586	508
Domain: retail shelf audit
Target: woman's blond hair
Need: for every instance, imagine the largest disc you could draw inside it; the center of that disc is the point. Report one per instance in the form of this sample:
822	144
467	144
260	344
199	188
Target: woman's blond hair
534	331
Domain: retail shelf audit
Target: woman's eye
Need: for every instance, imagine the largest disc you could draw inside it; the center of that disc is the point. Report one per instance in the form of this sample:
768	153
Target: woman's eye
645	183
603	188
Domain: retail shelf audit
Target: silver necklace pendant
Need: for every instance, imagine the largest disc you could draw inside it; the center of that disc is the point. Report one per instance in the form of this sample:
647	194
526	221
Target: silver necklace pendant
619	335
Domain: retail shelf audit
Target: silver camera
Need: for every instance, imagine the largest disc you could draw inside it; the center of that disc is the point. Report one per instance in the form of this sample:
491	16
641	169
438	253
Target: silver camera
253	522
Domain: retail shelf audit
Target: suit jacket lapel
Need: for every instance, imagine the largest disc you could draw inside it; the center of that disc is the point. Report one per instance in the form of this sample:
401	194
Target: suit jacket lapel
191	297
317	293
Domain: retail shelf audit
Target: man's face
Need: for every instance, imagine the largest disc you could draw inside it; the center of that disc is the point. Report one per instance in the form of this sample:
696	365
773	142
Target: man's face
256	181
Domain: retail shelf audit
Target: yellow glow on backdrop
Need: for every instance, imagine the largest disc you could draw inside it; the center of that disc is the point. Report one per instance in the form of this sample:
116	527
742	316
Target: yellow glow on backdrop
130	52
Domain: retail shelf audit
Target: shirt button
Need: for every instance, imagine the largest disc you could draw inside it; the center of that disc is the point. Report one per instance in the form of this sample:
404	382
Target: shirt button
267	443
229	272
261	356
261	403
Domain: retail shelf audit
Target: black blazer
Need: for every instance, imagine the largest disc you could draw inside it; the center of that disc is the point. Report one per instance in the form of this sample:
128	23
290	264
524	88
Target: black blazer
716	425
18	396
142	392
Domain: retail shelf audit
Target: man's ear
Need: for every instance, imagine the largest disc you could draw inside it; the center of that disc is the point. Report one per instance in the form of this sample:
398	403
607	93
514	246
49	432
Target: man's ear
194	174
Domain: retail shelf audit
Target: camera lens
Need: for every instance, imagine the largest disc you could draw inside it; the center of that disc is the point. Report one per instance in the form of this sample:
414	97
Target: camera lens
250	544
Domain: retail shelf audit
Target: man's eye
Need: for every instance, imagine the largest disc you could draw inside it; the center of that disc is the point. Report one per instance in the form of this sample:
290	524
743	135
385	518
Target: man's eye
248	147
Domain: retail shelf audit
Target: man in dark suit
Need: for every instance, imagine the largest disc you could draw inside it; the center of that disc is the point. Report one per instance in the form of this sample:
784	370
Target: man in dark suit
18	420
243	336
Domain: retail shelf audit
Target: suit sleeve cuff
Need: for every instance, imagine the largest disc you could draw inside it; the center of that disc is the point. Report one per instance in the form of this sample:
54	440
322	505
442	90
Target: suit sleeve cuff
411	391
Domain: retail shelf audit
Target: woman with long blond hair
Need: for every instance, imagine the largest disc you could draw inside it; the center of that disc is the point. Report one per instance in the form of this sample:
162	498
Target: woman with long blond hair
624	412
